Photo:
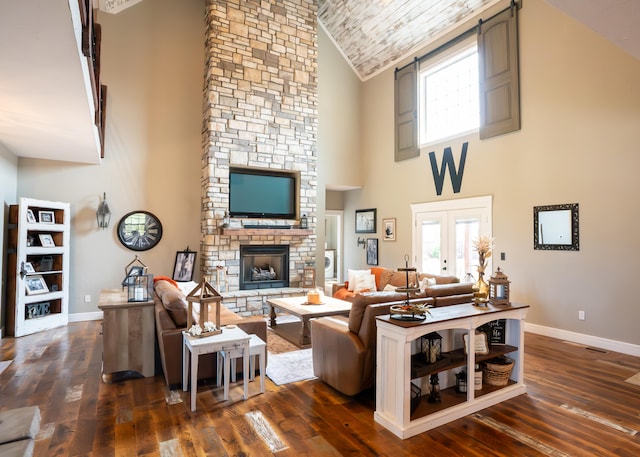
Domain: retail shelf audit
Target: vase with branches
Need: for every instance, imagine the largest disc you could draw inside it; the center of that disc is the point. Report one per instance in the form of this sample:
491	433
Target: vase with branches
483	245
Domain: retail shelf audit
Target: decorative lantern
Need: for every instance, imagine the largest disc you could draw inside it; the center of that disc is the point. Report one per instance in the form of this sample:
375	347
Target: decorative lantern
434	395
309	275
499	288
431	345
103	214
461	382
138	283
139	287
204	294
304	222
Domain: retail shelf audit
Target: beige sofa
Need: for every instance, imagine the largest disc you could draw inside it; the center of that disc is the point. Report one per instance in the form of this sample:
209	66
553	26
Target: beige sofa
344	348
171	321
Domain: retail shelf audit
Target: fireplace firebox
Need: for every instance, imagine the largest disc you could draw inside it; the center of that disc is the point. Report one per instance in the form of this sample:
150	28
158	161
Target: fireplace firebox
264	266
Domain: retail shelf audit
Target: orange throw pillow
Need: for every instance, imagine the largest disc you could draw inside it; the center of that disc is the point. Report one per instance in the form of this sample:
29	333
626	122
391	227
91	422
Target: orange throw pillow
165	278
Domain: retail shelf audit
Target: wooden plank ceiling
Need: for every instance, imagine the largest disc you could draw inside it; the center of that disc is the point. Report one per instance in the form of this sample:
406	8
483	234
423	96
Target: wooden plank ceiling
375	34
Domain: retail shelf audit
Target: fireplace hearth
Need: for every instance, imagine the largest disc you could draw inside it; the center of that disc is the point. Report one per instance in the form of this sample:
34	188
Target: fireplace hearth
264	266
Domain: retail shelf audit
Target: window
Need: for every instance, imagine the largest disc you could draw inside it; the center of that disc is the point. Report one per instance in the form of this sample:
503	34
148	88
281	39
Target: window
438	101
448	94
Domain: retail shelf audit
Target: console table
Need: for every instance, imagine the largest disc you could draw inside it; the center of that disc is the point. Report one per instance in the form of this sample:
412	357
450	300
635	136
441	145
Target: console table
399	366
128	335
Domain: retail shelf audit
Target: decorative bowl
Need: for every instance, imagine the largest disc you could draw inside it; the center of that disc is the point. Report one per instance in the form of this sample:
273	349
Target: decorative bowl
416	310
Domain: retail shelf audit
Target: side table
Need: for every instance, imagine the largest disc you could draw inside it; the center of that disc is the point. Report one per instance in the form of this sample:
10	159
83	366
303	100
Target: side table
128	335
230	339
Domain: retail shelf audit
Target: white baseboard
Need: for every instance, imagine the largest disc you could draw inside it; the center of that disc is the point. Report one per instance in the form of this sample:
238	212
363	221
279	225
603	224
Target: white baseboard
587	340
81	317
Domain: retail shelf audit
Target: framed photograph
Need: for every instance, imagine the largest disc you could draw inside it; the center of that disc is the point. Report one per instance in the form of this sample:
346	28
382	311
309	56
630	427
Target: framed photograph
31	218
372	251
389	227
36	285
46	264
366	220
46	240
183	268
28	267
481	343
46	217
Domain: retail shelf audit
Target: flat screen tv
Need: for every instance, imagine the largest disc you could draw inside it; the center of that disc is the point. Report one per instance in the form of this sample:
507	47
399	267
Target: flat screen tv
262	194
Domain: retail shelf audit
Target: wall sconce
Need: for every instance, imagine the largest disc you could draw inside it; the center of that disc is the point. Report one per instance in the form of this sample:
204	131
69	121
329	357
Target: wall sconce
103	214
362	241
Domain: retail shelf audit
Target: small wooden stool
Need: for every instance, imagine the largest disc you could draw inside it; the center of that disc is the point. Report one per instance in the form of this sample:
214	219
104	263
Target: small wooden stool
257	347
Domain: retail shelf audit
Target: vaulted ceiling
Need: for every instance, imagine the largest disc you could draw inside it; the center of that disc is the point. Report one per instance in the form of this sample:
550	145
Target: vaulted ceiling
376	34
44	108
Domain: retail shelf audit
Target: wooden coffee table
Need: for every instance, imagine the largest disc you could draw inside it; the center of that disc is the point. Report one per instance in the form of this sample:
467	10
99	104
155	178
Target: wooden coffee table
299	333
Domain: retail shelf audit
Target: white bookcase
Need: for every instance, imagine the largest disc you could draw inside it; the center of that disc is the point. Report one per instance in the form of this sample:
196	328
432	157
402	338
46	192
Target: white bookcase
38	266
399	366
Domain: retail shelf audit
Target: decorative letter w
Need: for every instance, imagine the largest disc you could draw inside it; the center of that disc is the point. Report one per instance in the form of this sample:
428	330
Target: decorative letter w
447	161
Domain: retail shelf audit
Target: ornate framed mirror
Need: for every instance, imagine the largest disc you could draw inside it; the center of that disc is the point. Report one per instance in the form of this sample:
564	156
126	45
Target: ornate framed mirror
555	227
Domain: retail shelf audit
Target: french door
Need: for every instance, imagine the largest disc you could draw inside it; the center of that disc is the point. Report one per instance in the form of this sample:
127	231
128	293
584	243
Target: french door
443	235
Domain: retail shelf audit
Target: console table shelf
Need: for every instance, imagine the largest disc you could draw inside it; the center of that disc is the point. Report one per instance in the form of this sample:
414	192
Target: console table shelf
400	366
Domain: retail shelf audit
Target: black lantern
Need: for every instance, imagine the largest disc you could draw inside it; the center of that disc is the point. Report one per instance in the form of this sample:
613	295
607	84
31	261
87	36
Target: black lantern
103	214
499	288
431	345
139	287
304	222
461	382
434	395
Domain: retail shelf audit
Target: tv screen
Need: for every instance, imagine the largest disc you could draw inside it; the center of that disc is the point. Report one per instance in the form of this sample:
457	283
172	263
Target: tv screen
262	194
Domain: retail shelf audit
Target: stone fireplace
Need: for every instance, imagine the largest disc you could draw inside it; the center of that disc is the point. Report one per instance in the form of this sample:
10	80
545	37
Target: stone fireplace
263	267
259	111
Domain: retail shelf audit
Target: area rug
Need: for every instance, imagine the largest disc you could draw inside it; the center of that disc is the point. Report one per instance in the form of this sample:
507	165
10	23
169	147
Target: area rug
290	366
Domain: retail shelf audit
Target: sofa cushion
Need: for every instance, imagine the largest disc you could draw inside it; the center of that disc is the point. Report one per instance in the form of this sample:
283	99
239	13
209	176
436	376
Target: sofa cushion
173	301
352	274
444	290
440	279
365	283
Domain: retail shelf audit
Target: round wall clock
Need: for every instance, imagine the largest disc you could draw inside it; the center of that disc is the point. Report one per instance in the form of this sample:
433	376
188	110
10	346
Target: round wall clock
139	230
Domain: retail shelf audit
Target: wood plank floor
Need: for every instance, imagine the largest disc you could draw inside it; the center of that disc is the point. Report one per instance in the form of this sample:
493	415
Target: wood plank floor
578	404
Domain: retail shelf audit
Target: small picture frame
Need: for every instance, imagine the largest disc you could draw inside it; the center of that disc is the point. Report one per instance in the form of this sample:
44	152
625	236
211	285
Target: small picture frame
184	266
46	240
28	267
372	251
366	220
31	218
389	228
46	217
496	331
36	285
481	345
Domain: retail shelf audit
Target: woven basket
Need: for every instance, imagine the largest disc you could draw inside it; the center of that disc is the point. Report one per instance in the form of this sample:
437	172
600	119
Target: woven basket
496	371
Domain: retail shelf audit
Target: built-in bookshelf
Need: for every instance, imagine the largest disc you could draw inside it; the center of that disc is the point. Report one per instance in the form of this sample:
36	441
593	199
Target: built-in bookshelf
37	266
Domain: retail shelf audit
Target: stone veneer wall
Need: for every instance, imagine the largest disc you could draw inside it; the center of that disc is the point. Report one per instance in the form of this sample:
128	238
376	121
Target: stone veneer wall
259	110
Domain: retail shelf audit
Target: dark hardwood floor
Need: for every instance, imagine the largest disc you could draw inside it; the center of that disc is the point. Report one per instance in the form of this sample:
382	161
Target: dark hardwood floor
578	404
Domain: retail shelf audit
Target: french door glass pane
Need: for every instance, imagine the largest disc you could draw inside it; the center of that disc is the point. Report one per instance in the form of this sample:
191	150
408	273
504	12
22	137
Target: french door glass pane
466	258
431	247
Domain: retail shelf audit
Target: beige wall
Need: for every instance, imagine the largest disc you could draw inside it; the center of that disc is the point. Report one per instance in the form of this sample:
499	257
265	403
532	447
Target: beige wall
8	189
152	62
580	111
339	151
